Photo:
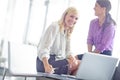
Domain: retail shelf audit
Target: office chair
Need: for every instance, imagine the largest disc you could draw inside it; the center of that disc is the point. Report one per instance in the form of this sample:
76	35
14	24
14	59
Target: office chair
2	60
117	73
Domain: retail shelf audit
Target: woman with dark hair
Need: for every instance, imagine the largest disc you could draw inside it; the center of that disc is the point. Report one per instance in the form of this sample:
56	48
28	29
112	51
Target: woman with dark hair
102	30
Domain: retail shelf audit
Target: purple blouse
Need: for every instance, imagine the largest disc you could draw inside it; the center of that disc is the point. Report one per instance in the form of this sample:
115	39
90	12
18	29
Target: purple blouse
102	40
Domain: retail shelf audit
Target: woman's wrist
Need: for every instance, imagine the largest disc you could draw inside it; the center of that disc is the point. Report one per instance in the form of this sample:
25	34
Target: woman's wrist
45	61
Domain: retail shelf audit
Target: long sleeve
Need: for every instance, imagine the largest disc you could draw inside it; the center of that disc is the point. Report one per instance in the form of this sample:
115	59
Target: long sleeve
68	47
102	40
47	41
90	33
107	38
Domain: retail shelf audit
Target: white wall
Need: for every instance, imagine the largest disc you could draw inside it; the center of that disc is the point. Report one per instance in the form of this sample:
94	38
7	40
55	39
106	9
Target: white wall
15	20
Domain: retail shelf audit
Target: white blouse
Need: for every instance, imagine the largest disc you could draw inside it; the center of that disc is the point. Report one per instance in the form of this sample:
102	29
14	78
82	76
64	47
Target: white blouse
54	42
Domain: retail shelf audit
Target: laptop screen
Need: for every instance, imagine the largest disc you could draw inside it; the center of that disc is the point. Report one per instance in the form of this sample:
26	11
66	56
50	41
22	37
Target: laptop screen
96	67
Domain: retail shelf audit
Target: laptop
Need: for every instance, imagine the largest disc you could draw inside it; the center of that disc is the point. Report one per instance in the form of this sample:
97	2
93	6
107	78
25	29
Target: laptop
96	67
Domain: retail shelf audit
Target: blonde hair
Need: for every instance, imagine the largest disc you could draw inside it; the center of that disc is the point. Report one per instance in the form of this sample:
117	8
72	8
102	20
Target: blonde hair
62	20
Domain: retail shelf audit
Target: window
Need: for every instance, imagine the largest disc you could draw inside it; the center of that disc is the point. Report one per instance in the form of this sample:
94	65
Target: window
25	20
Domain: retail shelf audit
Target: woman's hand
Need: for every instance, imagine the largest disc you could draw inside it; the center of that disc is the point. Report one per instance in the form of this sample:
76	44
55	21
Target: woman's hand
48	68
73	63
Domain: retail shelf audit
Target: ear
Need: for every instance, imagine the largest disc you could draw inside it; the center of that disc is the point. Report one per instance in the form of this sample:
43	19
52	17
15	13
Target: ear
104	9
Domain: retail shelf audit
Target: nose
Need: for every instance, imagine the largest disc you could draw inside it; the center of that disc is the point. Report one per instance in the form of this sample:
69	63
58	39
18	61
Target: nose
74	21
94	8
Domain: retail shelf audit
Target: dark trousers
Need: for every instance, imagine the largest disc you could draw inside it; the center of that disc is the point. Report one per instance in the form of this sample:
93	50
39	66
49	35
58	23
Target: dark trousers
106	52
60	65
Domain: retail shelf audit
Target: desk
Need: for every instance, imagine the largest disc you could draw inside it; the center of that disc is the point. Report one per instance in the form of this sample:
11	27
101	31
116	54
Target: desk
22	62
39	75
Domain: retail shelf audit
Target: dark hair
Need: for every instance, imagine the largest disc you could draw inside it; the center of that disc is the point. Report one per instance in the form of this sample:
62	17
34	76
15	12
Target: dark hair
107	5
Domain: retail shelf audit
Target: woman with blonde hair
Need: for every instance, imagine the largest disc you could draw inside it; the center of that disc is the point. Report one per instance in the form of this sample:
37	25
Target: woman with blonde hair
54	55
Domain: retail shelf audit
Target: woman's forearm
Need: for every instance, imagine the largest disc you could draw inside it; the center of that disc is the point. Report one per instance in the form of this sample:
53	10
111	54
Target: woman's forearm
89	48
45	61
48	68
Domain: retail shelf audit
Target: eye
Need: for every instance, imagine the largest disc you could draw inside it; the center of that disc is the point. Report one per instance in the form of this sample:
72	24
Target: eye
74	17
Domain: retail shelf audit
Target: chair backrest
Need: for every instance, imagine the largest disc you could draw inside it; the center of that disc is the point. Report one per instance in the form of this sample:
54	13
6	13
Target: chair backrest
117	73
2	58
21	58
3	52
1	46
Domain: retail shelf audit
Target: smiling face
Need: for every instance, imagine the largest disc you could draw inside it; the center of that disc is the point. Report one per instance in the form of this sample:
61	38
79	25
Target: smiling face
70	19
